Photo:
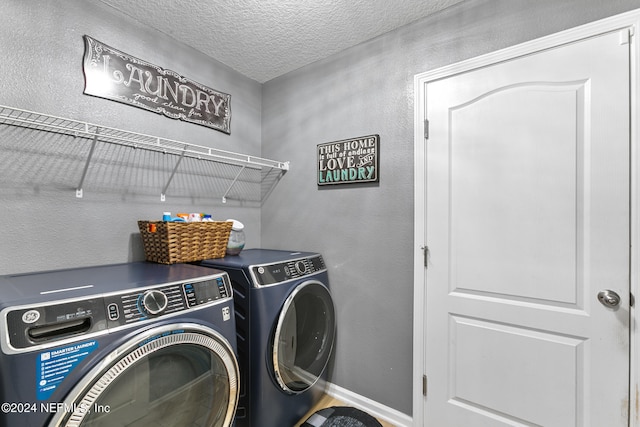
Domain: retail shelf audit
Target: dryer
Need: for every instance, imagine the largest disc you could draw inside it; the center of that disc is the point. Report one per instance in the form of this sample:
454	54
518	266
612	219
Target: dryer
136	344
286	326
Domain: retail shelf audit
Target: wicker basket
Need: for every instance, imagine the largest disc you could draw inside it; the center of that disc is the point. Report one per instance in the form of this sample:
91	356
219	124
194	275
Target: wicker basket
173	242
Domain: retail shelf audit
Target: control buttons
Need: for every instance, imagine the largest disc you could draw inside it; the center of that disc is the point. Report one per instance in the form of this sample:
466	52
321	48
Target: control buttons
145	304
112	311
154	301
190	292
221	288
265	275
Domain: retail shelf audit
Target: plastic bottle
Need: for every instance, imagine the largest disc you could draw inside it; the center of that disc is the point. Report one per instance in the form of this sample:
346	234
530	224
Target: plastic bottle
236	238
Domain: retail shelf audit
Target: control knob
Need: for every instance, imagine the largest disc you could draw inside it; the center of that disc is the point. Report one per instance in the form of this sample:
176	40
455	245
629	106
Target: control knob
154	301
301	267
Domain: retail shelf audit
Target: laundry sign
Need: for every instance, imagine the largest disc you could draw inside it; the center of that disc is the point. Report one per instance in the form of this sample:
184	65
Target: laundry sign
349	161
117	76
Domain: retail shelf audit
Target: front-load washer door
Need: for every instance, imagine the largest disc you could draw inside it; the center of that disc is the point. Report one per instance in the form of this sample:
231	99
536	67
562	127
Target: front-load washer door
303	337
173	375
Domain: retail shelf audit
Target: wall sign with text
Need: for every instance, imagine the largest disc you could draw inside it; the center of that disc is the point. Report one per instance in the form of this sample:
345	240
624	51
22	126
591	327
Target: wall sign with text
350	161
114	75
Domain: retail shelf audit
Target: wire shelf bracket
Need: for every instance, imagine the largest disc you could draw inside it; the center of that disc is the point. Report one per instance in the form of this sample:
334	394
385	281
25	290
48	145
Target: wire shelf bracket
173	173
79	192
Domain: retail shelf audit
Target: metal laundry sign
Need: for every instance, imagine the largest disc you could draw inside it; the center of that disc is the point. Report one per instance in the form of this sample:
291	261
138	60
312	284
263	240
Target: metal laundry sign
114	75
349	161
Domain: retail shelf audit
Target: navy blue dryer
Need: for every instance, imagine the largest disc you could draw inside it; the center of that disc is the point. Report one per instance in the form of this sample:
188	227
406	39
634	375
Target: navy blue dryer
136	344
286	327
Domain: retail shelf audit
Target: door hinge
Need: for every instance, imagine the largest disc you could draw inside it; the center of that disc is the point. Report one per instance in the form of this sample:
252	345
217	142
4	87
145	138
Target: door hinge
424	385
425	253
426	129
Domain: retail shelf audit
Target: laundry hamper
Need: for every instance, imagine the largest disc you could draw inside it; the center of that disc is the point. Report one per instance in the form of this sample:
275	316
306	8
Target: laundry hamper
173	242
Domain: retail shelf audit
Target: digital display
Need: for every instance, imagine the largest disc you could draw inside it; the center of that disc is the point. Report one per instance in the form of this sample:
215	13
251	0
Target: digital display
270	274
206	291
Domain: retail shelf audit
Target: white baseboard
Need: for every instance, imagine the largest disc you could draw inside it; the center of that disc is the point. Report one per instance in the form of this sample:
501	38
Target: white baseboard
376	409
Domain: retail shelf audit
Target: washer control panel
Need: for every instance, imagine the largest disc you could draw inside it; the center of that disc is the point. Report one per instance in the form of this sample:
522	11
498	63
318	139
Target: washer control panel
44	324
142	304
270	274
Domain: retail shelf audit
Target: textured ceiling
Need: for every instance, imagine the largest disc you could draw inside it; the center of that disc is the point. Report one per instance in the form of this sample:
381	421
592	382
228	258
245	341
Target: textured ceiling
264	39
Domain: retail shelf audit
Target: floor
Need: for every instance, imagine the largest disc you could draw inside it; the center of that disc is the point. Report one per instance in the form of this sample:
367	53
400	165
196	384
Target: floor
328	401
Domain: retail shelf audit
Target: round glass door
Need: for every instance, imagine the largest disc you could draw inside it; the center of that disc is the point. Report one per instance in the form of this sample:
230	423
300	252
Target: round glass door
176	375
303	337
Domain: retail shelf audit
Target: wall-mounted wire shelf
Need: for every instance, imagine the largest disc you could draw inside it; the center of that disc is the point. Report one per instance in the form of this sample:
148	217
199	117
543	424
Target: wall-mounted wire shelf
268	171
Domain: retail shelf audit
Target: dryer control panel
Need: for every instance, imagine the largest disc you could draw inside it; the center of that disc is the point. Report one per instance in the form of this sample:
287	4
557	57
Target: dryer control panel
270	274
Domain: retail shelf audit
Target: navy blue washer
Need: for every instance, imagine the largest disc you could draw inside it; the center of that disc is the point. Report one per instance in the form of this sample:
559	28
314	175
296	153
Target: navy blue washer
286	327
127	344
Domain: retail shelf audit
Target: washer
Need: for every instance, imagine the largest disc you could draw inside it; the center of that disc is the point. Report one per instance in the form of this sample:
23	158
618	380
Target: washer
136	344
286	326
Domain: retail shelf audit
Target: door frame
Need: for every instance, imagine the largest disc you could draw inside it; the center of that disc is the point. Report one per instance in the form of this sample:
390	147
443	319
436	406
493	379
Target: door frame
618	22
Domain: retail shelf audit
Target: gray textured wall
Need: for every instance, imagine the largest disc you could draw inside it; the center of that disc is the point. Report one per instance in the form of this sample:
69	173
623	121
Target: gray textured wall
366	233
44	226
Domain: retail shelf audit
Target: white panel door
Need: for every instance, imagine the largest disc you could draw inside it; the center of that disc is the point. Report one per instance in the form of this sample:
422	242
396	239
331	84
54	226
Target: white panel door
527	220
